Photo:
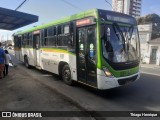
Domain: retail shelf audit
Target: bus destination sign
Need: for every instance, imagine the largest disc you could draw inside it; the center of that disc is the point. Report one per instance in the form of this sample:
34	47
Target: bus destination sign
119	19
83	22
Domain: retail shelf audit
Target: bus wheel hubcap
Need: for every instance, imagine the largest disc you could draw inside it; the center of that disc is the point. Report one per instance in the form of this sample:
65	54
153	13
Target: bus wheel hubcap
66	74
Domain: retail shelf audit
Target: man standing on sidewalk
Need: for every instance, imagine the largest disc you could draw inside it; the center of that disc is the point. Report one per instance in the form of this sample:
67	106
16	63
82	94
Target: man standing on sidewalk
2	58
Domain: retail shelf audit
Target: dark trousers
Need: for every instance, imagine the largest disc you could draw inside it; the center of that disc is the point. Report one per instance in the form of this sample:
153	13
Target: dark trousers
5	72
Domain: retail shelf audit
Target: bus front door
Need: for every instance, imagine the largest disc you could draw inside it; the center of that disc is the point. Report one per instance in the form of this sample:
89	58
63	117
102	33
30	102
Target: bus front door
36	49
86	57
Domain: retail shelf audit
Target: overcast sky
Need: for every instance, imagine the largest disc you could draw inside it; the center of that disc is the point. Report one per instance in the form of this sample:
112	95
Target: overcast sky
49	10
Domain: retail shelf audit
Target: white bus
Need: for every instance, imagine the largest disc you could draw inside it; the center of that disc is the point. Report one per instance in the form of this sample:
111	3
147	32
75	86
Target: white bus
98	48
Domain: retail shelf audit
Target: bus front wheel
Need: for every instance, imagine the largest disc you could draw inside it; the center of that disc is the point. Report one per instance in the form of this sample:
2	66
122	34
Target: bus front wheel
66	75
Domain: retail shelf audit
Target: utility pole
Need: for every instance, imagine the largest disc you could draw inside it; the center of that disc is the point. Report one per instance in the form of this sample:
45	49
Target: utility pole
109	3
20	5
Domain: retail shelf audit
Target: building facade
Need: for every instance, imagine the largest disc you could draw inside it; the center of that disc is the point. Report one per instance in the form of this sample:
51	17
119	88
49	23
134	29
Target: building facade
154	52
145	32
150	48
130	7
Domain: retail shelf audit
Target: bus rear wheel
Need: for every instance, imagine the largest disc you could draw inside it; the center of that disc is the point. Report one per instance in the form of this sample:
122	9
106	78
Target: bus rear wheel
66	75
26	62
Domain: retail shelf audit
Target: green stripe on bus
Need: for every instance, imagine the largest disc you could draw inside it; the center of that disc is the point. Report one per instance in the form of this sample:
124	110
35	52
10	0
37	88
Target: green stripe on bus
120	73
99	50
58	50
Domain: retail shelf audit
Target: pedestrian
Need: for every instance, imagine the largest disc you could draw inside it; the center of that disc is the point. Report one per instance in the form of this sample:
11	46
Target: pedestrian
7	62
2	59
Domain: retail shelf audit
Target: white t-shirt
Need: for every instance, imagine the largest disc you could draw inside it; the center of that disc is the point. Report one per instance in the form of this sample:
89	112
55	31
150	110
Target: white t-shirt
7	59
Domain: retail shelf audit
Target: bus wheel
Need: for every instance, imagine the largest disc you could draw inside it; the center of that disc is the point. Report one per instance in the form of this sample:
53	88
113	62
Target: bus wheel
66	75
26	62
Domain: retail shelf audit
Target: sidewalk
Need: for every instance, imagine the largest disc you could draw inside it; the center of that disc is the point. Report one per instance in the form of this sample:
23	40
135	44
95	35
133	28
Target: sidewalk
151	69
19	91
150	66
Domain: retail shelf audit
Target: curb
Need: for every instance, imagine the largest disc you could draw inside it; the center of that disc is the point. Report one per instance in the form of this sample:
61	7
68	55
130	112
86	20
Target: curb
157	67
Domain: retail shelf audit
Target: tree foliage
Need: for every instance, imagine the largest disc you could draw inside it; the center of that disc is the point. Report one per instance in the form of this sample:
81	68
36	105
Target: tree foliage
153	19
150	18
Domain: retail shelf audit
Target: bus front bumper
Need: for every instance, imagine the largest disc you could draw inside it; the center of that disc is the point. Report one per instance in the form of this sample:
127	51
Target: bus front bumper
112	82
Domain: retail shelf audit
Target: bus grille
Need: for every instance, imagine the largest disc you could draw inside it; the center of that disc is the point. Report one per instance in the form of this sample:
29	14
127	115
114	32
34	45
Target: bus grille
127	80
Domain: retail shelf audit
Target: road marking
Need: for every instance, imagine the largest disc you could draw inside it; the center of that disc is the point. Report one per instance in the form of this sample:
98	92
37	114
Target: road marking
150	73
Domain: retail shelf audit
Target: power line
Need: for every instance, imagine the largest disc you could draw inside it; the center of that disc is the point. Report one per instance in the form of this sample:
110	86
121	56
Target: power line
71	4
20	5
109	3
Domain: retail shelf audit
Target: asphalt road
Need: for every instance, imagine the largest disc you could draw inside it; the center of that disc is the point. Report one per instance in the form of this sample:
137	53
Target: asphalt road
142	95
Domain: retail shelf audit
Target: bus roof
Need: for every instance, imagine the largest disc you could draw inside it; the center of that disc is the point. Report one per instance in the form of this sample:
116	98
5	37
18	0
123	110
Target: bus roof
88	13
92	12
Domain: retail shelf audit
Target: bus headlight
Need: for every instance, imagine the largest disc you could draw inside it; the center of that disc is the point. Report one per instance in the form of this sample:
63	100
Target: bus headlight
107	72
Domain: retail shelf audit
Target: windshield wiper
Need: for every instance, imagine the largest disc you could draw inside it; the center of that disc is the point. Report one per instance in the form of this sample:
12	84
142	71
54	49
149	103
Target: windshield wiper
128	38
115	26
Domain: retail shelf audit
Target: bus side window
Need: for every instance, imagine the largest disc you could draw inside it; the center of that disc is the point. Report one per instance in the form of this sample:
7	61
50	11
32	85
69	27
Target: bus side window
15	42
18	42
67	39
102	30
55	35
59	34
91	33
50	36
59	31
45	37
42	38
72	33
27	39
30	40
23	41
71	27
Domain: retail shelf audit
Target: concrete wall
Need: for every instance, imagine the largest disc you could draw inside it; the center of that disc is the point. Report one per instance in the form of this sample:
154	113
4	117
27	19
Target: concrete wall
145	32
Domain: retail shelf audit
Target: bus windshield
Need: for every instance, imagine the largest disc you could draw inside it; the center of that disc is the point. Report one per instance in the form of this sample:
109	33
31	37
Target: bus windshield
120	43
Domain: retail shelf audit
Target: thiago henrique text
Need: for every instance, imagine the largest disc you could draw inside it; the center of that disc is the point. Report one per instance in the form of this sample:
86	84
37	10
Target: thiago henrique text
143	114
